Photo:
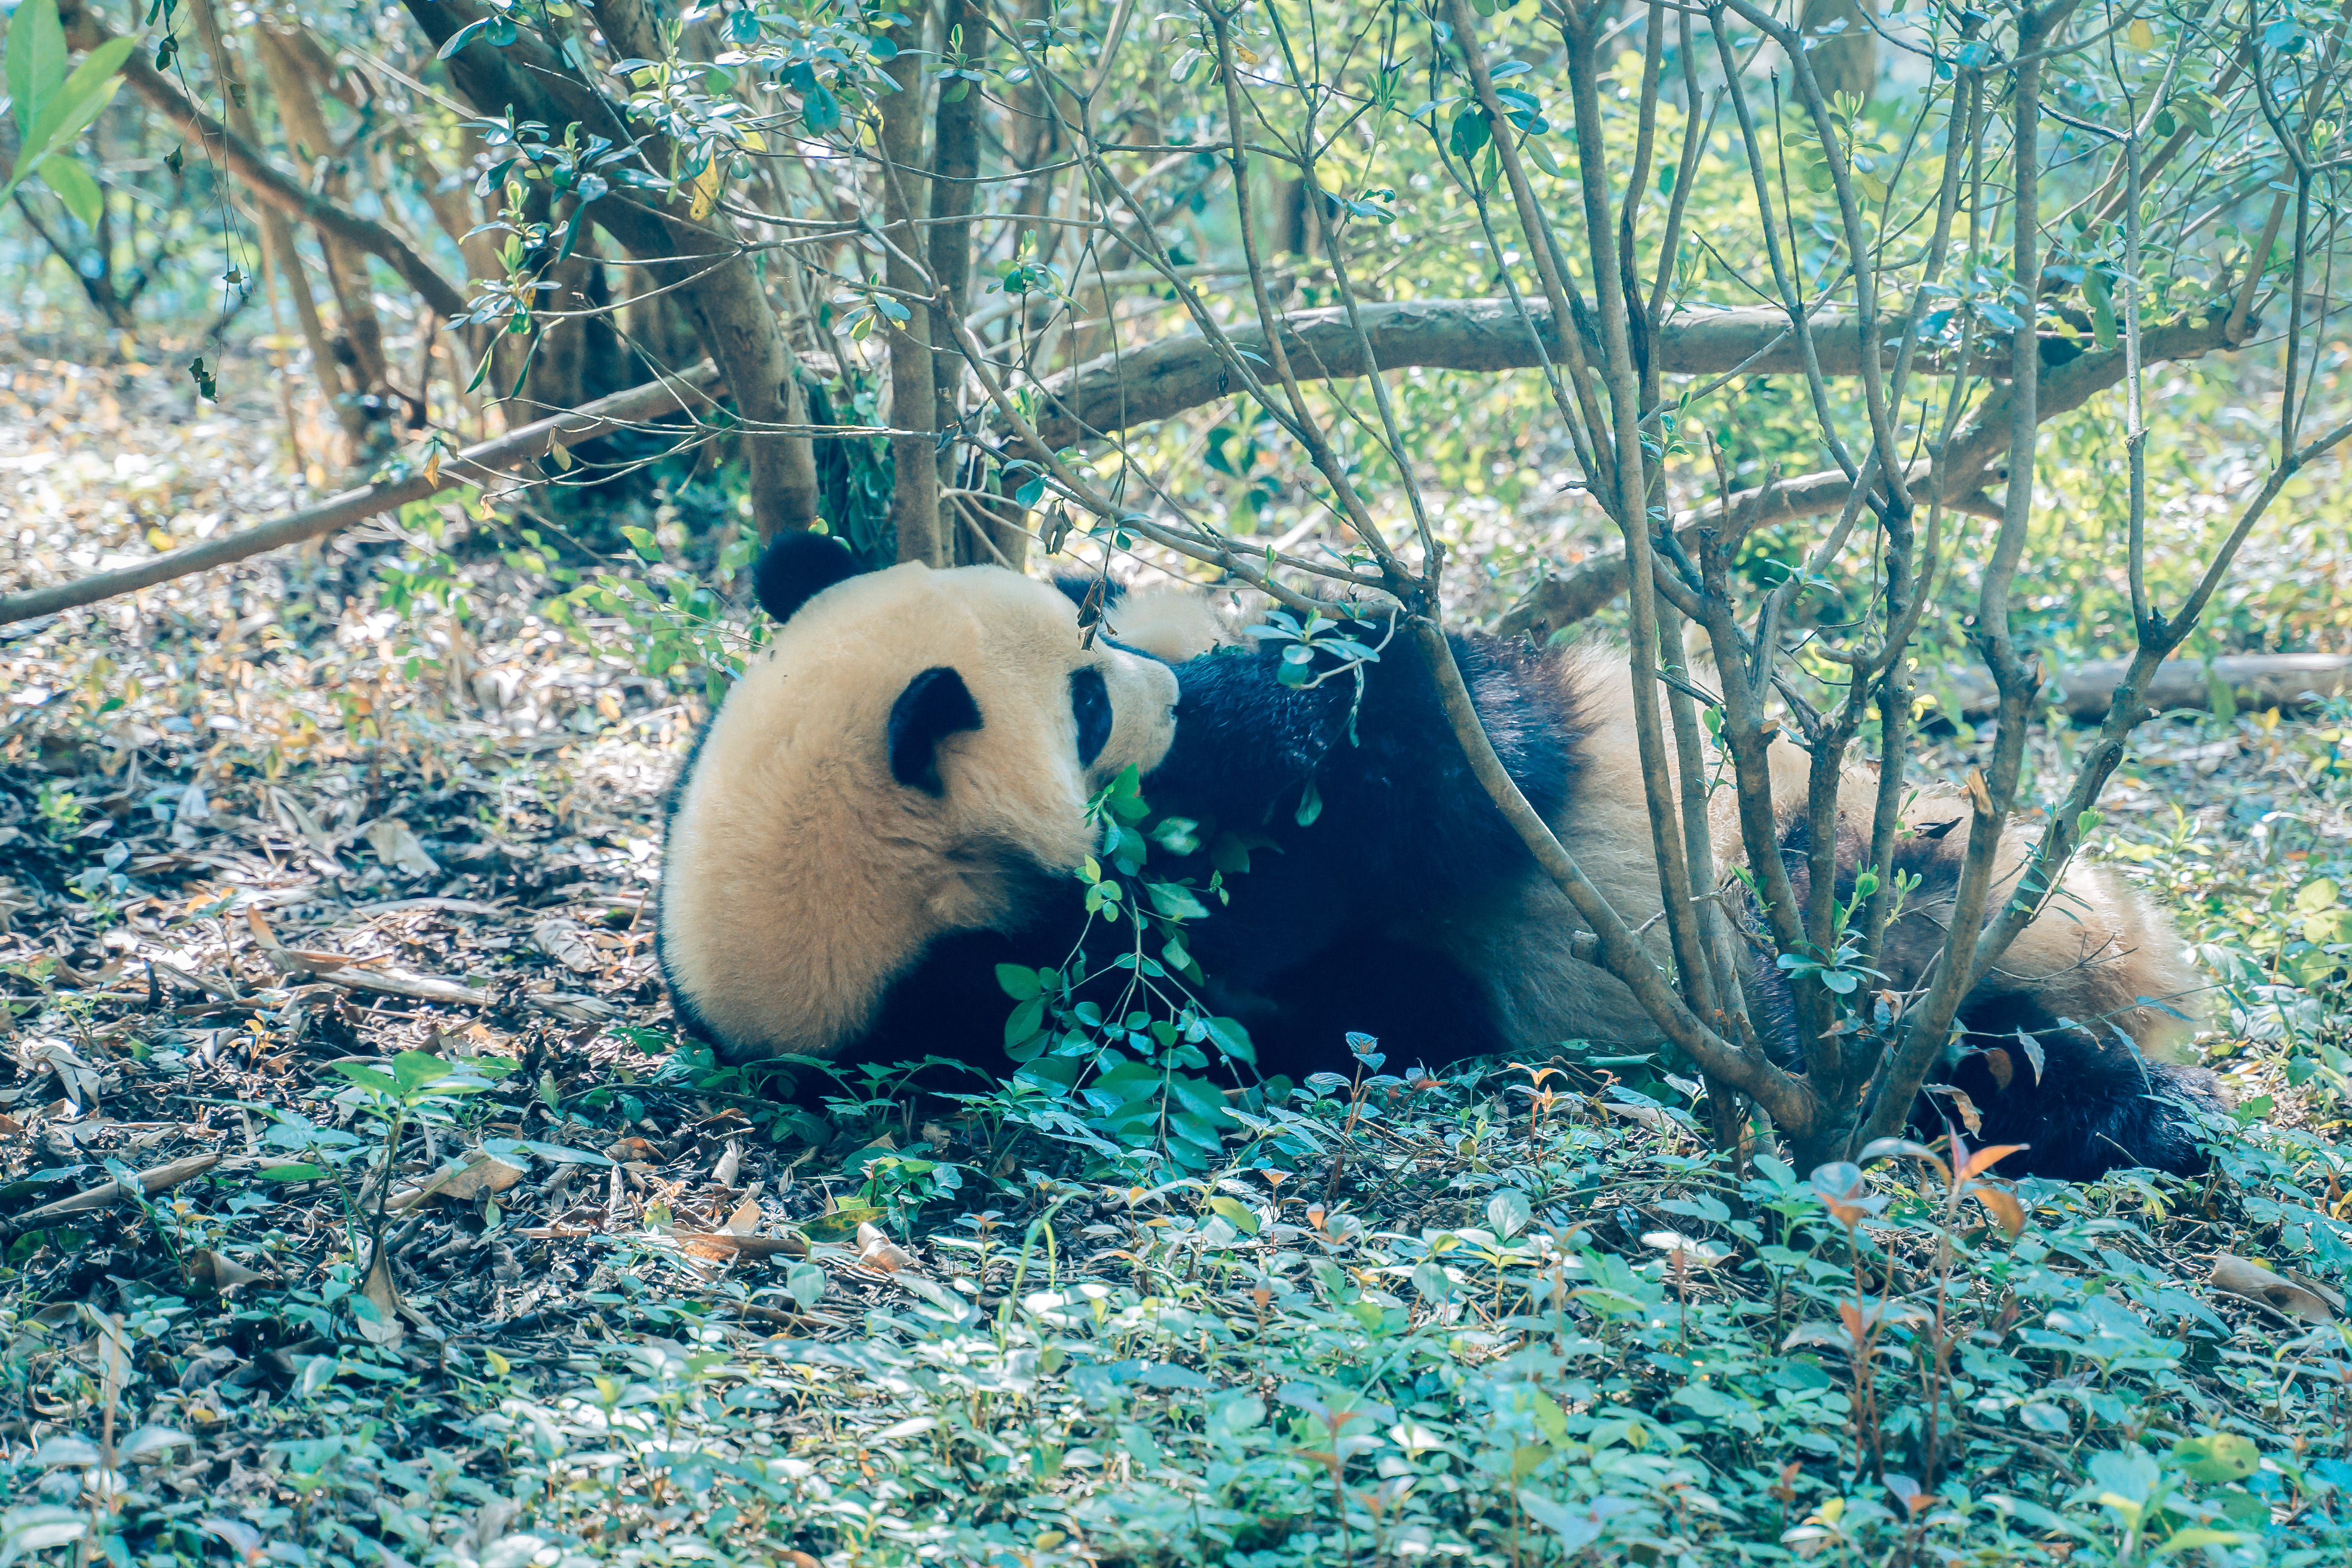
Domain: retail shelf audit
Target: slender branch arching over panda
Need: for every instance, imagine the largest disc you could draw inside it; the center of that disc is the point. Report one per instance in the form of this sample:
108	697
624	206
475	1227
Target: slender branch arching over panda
891	802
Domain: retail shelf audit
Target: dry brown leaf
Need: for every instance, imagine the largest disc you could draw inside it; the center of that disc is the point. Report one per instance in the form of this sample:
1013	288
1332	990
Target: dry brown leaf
730	1166
2243	1278
208	1271
385	1328
633	1149
397	845
1997	1063
720	1245
2002	1204
482	1172
745	1220
113	1359
1970	1117
877	1251
1980	796
564	941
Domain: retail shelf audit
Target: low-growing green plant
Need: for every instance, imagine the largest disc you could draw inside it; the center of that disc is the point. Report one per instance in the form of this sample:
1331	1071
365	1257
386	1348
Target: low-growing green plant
1118	1044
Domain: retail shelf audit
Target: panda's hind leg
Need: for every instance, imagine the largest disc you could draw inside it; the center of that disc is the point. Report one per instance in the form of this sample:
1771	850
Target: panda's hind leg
2094	1106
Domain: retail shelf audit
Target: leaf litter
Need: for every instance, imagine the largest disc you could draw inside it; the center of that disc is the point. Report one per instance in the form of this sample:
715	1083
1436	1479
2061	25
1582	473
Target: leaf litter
359	1205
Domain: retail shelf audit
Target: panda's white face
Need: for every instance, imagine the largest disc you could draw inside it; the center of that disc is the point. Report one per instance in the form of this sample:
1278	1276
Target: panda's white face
912	756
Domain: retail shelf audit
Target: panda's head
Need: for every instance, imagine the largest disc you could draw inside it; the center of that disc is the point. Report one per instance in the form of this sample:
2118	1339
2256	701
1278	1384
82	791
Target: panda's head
911	756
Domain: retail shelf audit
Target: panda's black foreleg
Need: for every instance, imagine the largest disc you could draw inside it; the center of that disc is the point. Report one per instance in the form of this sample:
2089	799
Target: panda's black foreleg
2094	1105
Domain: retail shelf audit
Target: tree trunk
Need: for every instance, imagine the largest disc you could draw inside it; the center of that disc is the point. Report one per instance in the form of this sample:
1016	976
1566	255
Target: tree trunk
85	31
713	279
347	274
914	394
1845	61
956	166
277	249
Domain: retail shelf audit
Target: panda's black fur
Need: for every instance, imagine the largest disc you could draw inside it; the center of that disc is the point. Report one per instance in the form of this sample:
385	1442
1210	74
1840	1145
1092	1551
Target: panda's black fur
2094	1103
1359	918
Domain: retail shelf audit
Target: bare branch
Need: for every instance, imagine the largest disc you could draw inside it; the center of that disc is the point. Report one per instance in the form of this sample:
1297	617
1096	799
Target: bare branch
622	411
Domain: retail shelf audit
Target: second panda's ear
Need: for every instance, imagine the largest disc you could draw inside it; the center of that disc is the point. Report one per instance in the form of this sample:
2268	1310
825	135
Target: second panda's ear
796	568
935	705
1077	586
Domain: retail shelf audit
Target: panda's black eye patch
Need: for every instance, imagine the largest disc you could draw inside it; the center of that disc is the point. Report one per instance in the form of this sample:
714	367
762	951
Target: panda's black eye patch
1090	706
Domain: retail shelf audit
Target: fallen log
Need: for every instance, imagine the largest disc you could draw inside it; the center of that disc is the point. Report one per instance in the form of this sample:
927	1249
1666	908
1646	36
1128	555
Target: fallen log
530	443
2282	680
157	1179
1971	460
1133	386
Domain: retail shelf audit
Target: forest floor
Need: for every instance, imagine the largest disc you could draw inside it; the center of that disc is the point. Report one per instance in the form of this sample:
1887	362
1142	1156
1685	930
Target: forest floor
357	1204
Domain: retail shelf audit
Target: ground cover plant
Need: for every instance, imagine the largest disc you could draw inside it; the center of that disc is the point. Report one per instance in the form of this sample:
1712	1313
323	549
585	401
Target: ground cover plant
360	1202
326	919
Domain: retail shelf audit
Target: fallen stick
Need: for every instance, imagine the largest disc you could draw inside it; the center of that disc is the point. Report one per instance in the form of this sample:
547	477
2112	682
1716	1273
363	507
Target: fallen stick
2256	680
573	1006
168	1174
335	969
529	444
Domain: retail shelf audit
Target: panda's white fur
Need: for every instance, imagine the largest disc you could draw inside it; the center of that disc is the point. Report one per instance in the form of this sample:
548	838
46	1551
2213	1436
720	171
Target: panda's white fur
1170	622
2093	954
2096	950
800	880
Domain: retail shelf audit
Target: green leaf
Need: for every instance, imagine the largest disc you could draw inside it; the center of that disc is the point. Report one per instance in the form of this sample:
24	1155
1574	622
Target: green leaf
806	1282
554	1153
367	1077
1232	1038
2102	311
415	1070
1205	1099
36	61
1024	1020
1508	1212
63	114
2218	1456
78	101
1470	133
290	1173
2192	1539
462	37
74	187
1174	901
1018	981
1235	1213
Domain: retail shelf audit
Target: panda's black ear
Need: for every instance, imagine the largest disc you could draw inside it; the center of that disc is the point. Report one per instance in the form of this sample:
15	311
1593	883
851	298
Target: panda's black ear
935	705
796	568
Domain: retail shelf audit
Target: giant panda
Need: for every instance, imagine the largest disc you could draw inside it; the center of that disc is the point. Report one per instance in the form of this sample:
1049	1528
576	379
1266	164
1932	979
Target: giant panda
889	804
